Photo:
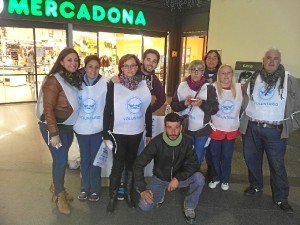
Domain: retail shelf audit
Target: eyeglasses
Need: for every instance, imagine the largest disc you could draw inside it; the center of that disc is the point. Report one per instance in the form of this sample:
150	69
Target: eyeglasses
196	71
126	66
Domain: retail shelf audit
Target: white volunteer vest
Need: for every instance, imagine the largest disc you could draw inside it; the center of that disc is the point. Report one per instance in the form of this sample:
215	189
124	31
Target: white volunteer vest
227	118
130	109
268	107
92	102
197	115
71	93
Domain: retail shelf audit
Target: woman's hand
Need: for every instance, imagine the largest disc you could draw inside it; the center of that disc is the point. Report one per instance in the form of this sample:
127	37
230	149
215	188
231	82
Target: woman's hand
187	100
196	102
55	142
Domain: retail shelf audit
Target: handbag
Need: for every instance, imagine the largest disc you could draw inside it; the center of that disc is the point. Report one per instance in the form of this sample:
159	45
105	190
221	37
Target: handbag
185	118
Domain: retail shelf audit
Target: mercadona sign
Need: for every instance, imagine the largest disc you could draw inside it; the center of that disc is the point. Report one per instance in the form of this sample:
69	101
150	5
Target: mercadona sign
69	10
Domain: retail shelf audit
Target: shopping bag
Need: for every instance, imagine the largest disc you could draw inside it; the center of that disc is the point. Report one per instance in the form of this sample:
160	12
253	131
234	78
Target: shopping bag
101	156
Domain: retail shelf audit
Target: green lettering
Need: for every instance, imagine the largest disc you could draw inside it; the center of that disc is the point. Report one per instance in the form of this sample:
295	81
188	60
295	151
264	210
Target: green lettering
36	8
83	12
98	13
140	19
51	8
127	16
114	15
18	7
64	13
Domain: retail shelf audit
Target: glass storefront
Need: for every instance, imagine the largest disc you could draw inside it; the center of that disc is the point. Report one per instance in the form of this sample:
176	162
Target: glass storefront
27	55
193	49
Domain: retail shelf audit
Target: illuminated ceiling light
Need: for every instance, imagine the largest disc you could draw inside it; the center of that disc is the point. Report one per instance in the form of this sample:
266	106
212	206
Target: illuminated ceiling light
173	4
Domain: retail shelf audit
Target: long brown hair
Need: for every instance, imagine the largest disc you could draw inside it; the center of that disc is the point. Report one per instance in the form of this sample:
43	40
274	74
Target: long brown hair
57	67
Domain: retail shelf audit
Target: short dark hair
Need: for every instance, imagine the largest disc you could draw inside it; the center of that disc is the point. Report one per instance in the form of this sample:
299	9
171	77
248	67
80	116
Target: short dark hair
173	117
153	51
90	58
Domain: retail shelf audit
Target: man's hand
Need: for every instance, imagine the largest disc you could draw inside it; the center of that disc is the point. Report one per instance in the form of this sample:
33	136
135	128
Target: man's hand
173	184
147	196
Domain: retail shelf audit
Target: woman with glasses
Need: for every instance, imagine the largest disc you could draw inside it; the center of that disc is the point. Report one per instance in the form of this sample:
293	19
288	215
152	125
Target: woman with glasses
126	114
197	99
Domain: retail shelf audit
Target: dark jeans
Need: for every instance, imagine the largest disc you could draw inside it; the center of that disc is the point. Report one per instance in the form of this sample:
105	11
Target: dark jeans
221	156
256	141
90	174
158	187
127	148
59	156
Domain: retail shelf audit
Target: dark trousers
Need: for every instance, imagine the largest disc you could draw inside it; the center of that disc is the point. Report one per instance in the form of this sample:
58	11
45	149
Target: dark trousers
127	148
90	174
59	156
258	140
221	156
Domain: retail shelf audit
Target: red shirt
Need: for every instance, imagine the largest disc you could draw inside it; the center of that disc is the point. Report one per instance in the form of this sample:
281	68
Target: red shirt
221	135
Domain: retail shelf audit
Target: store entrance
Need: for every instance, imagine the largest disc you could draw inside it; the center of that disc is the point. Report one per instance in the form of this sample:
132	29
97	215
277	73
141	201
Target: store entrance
193	48
27	55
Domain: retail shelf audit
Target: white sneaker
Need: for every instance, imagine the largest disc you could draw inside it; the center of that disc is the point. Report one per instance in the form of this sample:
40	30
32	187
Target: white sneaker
213	184
224	186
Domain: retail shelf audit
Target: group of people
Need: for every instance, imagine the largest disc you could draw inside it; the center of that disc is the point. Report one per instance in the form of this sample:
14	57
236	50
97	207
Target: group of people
265	110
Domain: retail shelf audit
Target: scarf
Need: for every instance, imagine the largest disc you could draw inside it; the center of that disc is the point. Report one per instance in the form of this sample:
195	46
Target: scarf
195	86
212	78
170	142
270	79
73	79
130	82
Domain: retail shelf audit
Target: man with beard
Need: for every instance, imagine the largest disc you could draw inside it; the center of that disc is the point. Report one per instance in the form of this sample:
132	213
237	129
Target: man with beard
271	111
149	63
175	166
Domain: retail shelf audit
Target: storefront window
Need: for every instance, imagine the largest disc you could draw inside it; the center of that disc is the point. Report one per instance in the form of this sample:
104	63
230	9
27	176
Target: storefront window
193	49
21	68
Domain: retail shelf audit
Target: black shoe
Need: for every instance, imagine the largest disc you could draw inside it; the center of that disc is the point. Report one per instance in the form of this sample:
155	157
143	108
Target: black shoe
251	191
189	215
285	207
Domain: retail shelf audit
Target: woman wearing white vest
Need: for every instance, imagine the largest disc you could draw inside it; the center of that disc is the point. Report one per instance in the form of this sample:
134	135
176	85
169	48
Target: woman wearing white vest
126	113
57	110
200	108
226	123
89	126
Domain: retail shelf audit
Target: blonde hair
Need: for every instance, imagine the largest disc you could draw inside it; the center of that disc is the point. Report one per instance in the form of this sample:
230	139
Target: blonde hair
219	85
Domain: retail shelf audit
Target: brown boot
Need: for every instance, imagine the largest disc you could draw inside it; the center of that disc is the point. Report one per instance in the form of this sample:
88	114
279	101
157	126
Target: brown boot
62	203
52	189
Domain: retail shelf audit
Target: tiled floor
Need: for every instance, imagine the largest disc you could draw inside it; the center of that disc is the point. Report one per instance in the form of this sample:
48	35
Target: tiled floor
25	175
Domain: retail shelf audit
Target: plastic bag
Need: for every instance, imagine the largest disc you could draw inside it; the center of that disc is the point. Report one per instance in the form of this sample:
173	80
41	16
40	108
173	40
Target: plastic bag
101	156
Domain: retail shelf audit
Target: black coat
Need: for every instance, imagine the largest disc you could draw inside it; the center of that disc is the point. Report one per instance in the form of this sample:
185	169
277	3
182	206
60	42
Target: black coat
178	161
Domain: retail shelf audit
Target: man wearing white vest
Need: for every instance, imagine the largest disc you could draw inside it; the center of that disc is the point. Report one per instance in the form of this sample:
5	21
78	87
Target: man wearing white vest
271	111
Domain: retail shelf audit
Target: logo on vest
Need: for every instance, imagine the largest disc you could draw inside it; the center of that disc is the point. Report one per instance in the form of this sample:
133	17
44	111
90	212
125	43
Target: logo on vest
89	105
227	106
266	95
134	105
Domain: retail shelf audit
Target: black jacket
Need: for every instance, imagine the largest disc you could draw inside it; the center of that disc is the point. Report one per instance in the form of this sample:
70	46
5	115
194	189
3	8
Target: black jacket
178	161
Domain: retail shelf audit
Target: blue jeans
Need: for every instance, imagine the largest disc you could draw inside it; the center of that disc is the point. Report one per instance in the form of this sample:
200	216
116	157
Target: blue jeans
256	141
199	143
90	174
59	156
221	156
158	188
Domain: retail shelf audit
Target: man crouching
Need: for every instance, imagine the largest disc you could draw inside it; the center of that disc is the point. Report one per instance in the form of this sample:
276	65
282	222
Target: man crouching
175	166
